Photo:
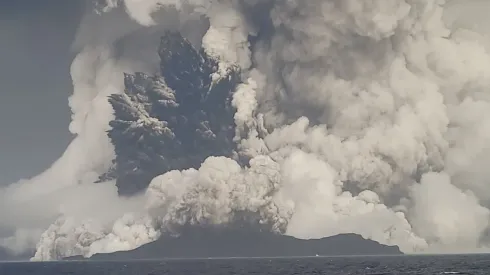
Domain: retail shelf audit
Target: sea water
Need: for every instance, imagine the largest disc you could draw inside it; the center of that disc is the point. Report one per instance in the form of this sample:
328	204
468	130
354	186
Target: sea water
391	265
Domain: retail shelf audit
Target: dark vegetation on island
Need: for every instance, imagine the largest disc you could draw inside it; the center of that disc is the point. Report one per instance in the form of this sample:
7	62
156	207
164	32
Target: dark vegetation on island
200	242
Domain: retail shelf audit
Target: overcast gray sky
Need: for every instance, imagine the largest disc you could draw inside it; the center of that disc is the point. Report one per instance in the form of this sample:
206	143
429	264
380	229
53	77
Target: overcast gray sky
35	57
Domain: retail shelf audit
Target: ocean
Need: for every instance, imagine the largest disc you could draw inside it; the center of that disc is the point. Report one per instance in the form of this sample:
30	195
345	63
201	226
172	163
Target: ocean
391	265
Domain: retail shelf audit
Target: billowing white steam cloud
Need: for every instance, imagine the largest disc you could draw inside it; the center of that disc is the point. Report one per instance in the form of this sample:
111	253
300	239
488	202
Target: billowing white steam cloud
359	116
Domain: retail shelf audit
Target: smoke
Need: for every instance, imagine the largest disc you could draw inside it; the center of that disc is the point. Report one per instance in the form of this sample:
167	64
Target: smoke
356	116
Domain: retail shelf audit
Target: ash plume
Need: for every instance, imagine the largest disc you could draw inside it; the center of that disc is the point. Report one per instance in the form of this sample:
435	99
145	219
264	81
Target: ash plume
328	117
173	121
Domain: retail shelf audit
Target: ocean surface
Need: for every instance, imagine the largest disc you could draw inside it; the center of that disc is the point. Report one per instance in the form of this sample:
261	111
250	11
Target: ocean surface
392	265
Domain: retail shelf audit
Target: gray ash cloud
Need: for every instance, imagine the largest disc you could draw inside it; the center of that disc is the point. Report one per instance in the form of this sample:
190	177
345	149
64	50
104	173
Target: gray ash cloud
174	120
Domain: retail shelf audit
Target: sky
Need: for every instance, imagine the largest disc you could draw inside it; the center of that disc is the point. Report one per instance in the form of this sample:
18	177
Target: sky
35	84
